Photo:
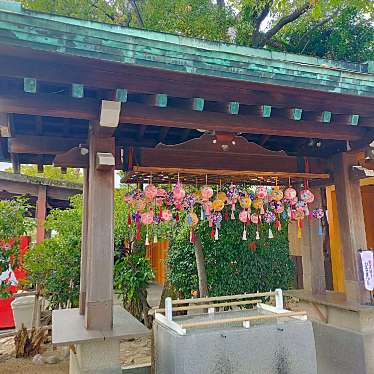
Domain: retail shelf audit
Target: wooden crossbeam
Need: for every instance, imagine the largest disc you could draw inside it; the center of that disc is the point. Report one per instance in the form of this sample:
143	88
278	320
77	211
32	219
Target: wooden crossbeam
139	79
230	173
138	113
43	145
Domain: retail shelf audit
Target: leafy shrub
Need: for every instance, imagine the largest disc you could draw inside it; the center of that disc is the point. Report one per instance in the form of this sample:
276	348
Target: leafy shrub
132	276
232	266
55	263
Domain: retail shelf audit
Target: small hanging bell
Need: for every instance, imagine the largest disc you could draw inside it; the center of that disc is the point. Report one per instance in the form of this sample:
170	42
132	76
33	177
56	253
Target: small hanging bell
216	234
244	237
271	236
257	235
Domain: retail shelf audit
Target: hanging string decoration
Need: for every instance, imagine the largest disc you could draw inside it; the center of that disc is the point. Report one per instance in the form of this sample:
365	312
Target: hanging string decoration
259	206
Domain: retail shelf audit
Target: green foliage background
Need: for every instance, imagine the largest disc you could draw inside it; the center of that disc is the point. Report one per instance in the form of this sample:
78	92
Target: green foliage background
232	267
54	264
15	221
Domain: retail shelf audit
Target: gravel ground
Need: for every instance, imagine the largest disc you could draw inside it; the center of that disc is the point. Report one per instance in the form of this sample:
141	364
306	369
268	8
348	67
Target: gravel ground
136	351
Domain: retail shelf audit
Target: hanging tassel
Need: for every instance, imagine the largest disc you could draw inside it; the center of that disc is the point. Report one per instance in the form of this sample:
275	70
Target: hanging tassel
202	214
160	213
257	235
216	234
146	239
301	224
298	230
226	216
155	240
177	217
138	231
129	222
191	236
232	215
320	229
212	233
262	210
244	237
271	236
278	225
306	210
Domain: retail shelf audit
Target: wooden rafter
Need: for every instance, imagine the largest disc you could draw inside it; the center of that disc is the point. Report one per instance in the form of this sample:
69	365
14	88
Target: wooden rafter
137	113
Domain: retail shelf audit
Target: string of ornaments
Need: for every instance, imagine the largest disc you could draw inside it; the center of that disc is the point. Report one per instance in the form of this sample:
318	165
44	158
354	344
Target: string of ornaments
261	205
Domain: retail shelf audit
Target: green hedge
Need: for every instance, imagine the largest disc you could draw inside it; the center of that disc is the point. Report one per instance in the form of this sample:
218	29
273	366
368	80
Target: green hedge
232	266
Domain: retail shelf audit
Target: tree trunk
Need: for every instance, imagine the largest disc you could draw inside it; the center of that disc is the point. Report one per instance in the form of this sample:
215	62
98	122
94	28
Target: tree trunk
200	263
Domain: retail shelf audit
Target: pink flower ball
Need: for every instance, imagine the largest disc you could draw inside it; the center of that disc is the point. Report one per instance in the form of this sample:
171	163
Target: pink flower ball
161	193
166	215
261	192
307	196
255	218
243	216
206	193
178	192
150	191
290	193
147	218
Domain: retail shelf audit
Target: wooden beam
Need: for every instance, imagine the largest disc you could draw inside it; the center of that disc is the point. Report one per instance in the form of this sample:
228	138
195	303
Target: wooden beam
43	145
228	173
352	225
41	212
140	79
50	105
84	245
15	163
136	113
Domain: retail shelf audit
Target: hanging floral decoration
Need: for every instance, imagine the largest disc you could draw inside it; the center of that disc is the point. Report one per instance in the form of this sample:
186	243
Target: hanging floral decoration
261	205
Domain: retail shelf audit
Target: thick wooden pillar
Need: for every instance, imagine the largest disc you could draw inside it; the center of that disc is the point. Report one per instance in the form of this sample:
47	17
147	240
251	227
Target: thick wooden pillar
352	225
84	245
316	243
41	212
99	273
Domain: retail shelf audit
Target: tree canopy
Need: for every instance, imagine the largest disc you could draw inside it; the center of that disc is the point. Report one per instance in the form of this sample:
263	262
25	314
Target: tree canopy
255	23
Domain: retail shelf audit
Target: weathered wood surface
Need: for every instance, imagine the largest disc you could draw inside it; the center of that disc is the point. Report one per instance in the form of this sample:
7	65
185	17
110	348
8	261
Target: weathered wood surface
352	225
100	251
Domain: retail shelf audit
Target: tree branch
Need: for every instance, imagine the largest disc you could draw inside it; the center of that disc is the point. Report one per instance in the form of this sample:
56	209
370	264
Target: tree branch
318	25
139	19
110	16
284	21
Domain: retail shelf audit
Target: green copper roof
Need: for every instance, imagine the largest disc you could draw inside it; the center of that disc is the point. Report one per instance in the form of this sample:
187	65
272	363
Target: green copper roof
46	32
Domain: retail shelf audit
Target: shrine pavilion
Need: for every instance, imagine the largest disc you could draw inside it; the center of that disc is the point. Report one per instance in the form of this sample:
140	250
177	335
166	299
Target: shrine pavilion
102	97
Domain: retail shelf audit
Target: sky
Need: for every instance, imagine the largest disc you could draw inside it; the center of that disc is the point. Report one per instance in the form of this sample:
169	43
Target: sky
4	165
